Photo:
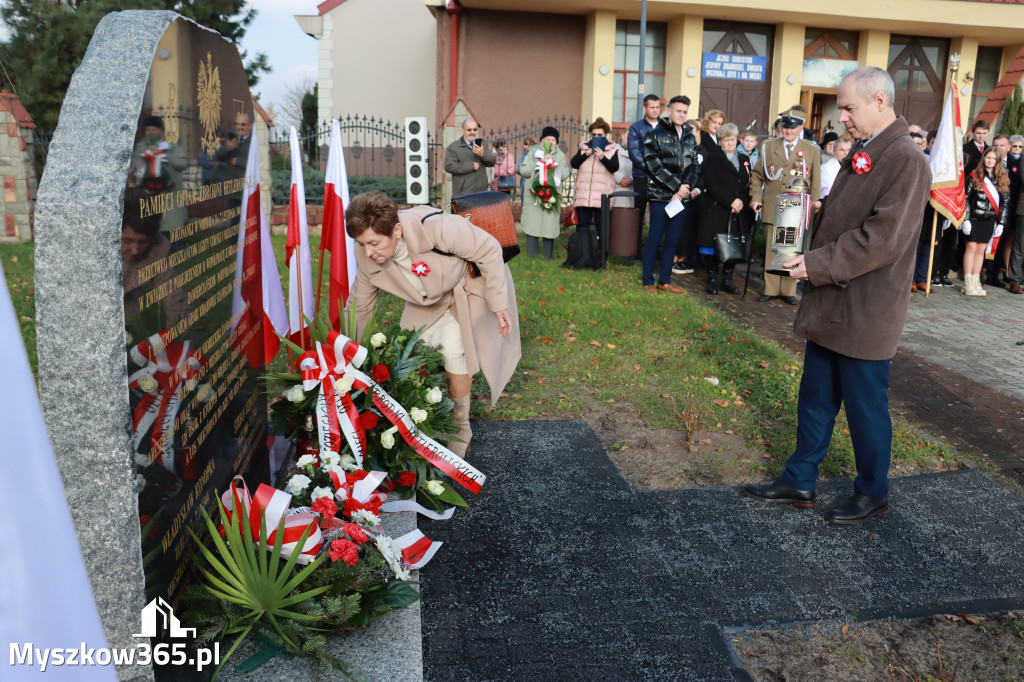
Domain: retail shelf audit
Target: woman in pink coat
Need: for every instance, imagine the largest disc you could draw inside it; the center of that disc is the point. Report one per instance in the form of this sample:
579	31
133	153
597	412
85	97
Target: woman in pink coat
422	255
597	161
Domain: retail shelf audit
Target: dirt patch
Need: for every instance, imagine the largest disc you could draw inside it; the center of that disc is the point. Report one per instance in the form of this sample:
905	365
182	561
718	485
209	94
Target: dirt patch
652	458
943	648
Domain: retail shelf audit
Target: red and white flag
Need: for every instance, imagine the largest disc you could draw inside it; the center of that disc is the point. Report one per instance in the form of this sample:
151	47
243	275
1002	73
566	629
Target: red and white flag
300	269
257	311
333	237
947	163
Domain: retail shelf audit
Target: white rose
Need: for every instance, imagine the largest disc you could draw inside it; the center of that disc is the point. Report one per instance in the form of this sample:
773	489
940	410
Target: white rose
387	439
348	463
329	457
297	484
305	461
344	384
147	382
378	340
434	395
418	415
319	492
296	393
435	487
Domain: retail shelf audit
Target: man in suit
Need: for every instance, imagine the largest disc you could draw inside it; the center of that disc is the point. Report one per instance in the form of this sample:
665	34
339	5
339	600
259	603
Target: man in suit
234	153
780	159
467	159
975	147
858	274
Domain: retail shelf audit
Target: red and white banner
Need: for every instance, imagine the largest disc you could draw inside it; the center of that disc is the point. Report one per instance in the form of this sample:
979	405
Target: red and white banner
275	505
257	310
333	237
417	548
947	163
300	269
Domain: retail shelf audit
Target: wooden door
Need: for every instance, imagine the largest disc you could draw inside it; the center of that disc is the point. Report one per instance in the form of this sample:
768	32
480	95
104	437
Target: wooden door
743	102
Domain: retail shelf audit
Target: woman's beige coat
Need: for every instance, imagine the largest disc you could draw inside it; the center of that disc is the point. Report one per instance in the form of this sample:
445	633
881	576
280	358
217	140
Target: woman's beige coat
473	301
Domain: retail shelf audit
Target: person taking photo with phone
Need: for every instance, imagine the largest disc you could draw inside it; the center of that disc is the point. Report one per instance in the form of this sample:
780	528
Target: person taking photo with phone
467	159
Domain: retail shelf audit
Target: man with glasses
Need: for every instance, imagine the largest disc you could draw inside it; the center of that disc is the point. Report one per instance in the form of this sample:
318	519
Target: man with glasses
467	159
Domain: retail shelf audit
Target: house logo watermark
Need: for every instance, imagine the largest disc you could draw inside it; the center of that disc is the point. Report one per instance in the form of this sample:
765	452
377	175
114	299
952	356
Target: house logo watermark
157	618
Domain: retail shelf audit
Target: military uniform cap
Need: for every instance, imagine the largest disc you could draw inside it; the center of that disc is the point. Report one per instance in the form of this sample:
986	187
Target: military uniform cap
792	118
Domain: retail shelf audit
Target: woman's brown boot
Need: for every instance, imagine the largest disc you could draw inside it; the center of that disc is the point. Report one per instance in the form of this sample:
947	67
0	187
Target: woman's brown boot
461	419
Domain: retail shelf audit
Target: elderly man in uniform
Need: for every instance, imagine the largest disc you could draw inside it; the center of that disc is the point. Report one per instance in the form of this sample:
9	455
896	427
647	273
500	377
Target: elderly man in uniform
858	274
467	159
779	159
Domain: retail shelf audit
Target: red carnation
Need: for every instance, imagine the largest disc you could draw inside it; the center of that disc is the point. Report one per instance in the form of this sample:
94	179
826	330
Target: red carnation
381	374
325	507
423	371
407	479
352	476
220	530
387	485
357	534
368	421
345	550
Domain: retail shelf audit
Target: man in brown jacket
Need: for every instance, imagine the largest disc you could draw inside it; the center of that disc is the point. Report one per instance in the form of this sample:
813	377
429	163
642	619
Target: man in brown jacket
858	274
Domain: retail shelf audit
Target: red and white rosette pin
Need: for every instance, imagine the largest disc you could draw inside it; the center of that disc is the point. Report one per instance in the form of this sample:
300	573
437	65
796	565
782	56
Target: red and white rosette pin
861	163
420	269
275	504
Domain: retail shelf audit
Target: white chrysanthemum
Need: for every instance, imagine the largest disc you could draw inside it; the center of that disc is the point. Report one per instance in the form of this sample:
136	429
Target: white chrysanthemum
403	574
319	492
366	519
296	393
387	439
297	484
389	550
348	463
329	457
344	384
433	395
435	487
378	340
147	382
418	415
332	469
305	461
141	459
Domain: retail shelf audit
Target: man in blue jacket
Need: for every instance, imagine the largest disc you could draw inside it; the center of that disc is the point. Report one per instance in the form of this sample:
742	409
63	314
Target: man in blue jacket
635	146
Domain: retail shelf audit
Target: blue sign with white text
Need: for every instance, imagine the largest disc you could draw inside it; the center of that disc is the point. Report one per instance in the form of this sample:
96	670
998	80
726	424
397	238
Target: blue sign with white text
735	67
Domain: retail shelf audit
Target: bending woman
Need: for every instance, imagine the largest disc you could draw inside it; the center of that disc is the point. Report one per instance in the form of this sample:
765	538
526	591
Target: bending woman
422	255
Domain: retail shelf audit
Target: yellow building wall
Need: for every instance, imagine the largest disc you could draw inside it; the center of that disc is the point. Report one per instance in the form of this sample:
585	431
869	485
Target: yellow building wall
787	65
684	45
873	49
598	51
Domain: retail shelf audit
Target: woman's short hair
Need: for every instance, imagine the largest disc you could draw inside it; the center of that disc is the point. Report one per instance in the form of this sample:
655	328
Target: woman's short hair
1016	139
371	211
711	116
728	130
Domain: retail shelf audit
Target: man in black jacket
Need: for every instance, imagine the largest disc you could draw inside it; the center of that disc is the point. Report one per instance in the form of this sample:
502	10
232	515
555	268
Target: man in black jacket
670	155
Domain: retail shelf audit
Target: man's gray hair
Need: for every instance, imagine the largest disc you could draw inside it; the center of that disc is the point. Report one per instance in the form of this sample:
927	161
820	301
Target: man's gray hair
1016	139
872	80
728	130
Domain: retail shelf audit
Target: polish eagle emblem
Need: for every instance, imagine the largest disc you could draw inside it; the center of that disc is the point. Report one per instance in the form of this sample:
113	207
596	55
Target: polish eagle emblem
208	95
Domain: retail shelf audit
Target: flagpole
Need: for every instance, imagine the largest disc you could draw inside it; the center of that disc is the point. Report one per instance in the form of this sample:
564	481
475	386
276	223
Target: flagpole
954	66
931	255
320	267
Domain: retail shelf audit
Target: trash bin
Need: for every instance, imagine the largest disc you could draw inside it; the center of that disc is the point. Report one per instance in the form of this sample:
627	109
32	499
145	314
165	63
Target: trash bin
625	223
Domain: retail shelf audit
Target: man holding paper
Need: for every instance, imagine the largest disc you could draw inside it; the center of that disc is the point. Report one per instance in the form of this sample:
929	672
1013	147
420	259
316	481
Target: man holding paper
670	155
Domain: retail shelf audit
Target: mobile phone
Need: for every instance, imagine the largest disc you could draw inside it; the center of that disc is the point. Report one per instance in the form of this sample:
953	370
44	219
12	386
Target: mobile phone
478	142
598	142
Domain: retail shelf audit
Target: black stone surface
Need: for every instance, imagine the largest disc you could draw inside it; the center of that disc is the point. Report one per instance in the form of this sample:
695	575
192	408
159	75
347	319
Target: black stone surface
560	571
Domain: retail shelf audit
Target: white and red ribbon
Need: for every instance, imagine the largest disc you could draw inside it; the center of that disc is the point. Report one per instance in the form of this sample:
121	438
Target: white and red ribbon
417	548
992	193
173	365
273	505
413	506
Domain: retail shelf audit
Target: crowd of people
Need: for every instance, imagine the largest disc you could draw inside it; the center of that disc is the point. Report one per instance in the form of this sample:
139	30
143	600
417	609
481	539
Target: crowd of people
724	179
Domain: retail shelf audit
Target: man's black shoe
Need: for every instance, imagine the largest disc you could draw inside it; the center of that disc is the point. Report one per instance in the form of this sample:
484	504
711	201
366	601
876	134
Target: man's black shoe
858	509
792	300
780	493
936	282
764	298
946	281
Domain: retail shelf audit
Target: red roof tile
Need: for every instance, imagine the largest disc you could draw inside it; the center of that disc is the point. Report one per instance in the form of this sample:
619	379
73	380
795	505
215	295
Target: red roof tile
11	103
997	100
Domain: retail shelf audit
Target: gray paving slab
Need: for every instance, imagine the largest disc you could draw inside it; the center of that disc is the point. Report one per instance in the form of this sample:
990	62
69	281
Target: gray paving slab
972	336
560	571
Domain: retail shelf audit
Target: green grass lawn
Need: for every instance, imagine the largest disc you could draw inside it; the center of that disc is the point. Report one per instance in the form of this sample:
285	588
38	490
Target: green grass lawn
595	337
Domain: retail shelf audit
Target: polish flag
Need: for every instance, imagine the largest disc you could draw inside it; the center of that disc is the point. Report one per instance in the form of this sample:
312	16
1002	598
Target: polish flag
300	269
947	163
333	238
258	300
